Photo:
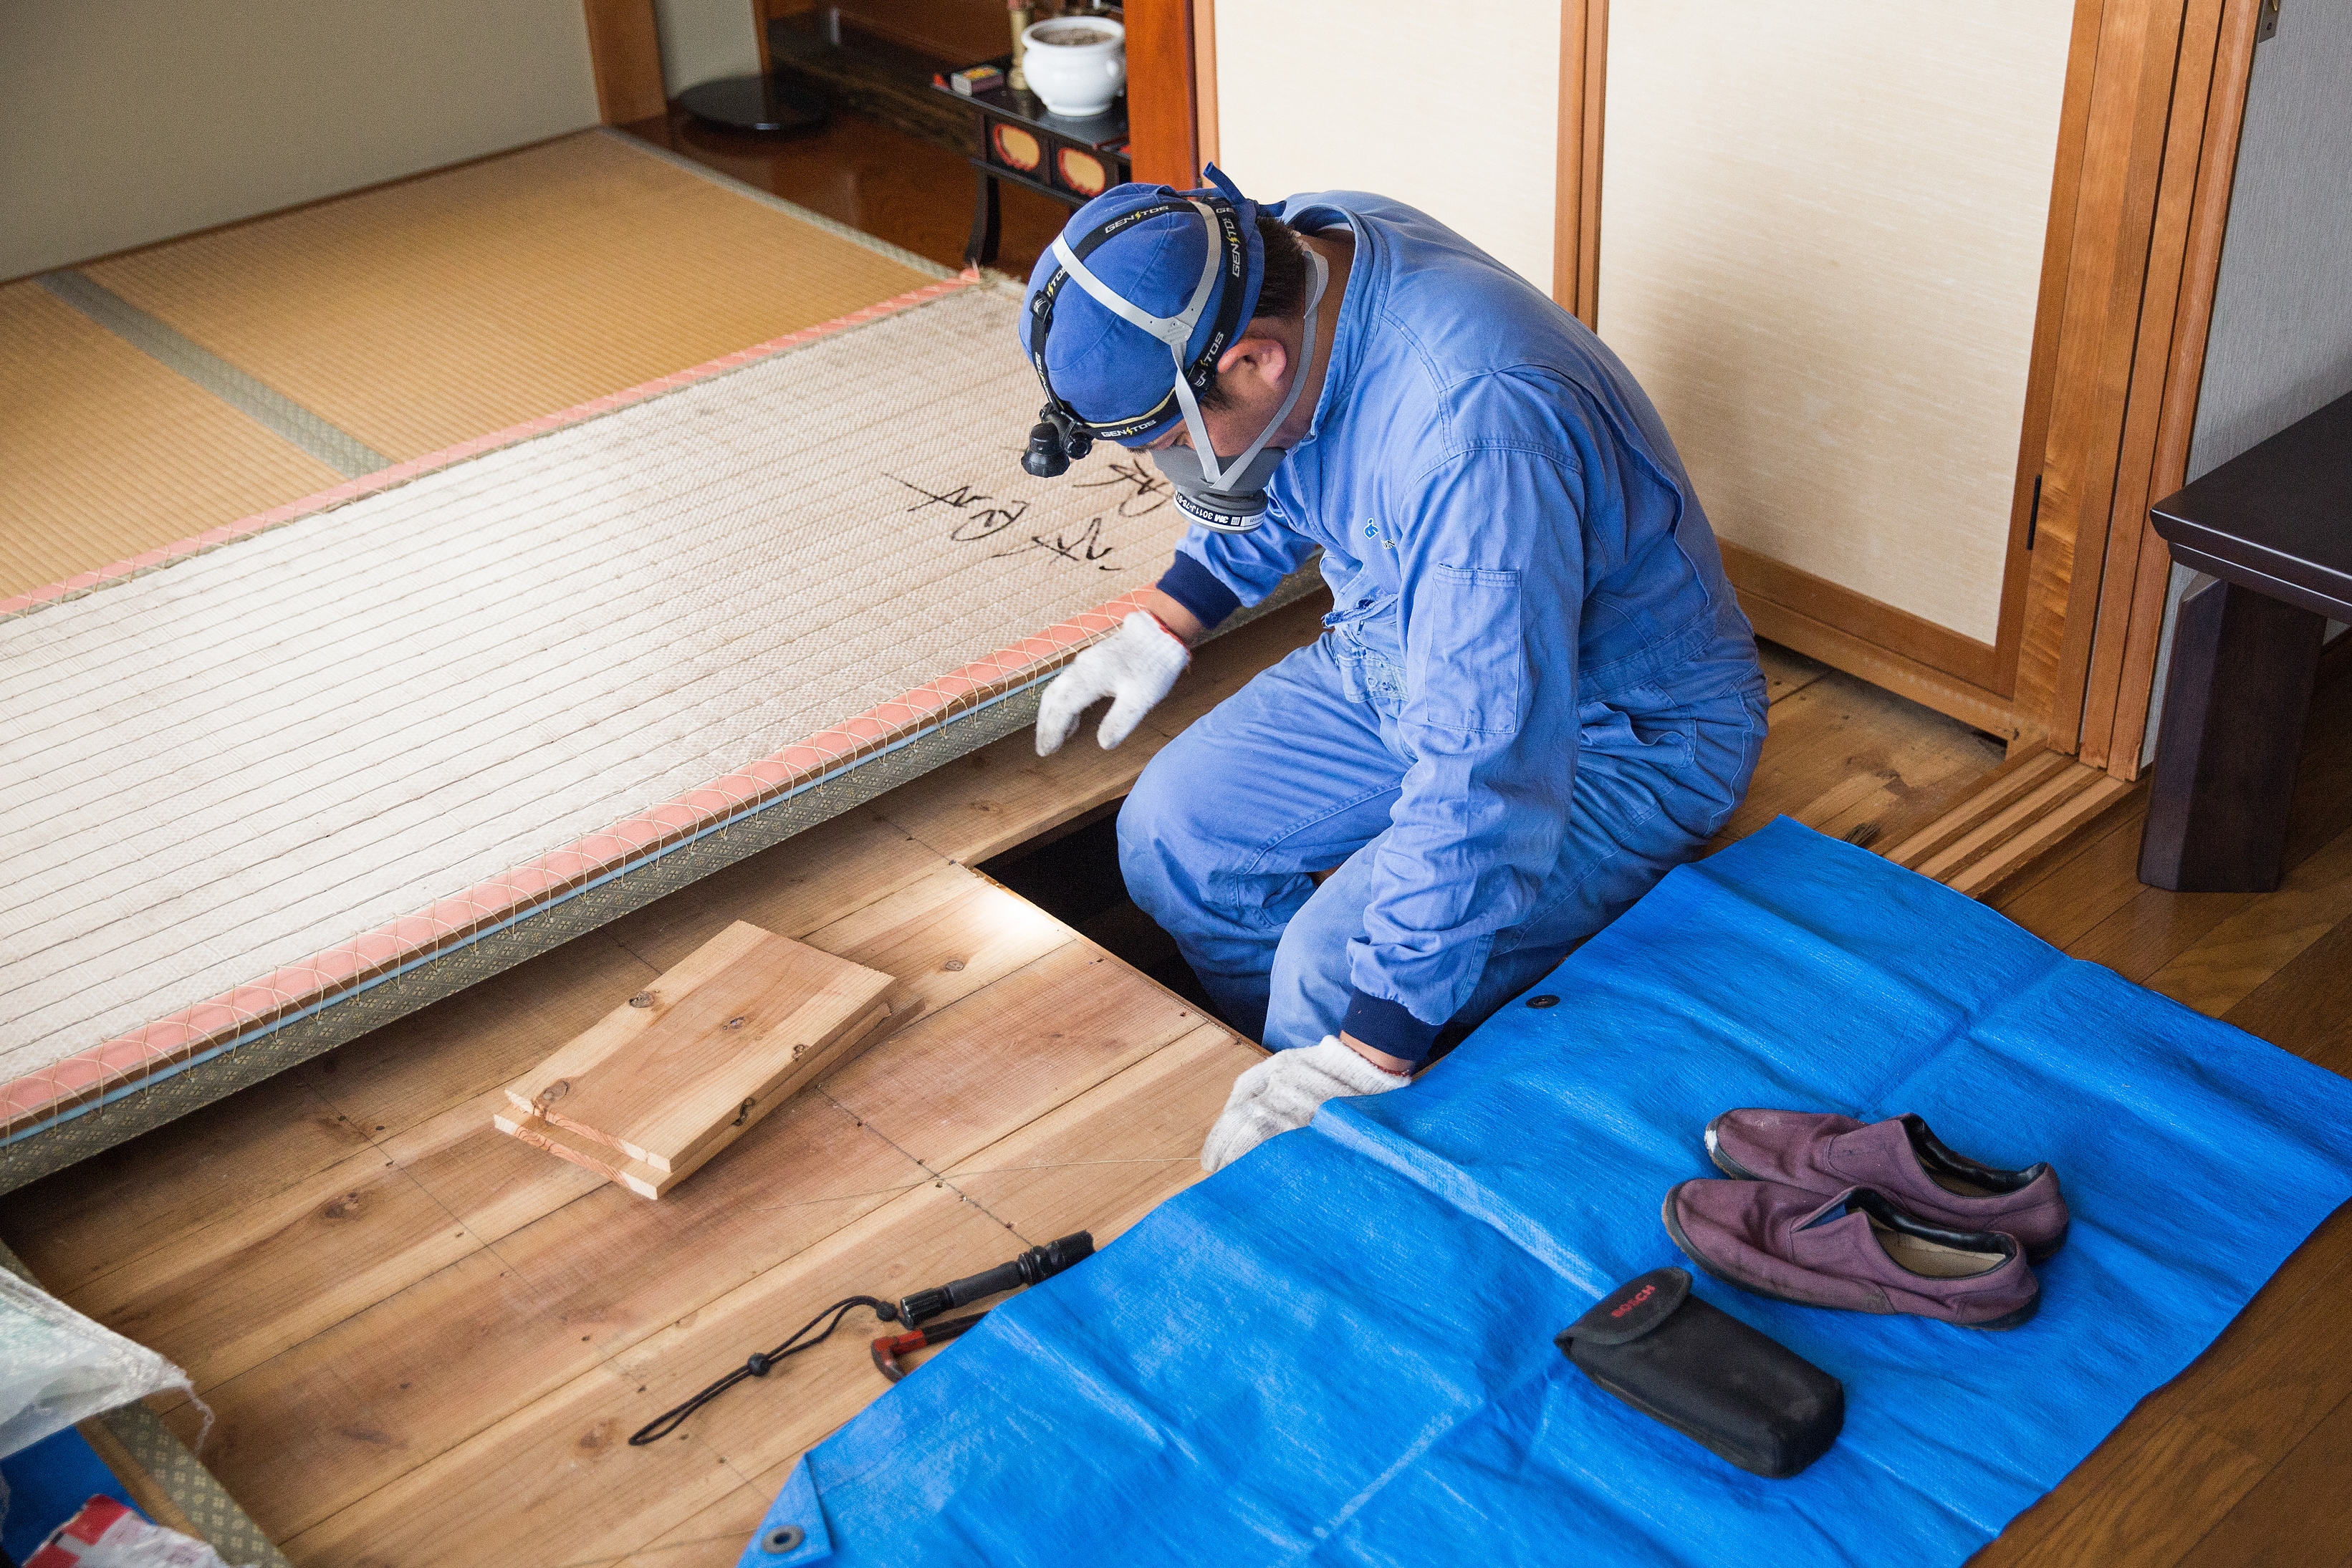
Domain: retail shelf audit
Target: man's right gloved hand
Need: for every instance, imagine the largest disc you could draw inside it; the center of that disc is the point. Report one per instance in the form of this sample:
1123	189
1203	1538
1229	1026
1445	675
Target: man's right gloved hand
1134	666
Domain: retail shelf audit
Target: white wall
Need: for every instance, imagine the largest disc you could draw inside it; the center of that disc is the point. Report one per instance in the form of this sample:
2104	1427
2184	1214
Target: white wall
127	121
702	40
2281	343
1821	231
1454	111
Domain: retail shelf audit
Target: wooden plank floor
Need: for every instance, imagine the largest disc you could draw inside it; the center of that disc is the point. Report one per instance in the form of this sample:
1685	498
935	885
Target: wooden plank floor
2243	1460
424	1343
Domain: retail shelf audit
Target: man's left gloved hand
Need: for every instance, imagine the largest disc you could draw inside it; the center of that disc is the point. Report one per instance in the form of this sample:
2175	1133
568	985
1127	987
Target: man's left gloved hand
1283	1092
1135	666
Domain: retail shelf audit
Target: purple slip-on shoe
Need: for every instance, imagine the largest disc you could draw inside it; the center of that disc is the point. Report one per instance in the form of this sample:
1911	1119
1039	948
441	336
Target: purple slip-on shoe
1856	1252
1823	1153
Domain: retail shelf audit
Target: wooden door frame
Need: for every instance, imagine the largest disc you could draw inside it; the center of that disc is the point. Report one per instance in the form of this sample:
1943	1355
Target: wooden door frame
2154	94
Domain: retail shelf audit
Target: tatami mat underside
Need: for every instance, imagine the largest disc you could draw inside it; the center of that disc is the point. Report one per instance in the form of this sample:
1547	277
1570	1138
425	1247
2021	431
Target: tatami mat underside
104	453
424	314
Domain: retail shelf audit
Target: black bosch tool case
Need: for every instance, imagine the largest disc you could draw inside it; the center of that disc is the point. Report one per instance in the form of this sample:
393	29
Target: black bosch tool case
1709	1376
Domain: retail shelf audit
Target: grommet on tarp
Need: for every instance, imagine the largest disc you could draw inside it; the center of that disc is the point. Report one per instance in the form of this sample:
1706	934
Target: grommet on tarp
793	1533
1543	1001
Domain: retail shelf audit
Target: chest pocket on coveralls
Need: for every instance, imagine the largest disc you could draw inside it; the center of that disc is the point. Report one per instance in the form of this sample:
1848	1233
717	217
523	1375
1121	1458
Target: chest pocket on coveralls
1369	650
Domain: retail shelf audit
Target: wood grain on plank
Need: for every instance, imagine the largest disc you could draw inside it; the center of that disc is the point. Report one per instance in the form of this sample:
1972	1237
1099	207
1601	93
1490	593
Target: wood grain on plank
1856	762
111	1209
2276	1522
271	1273
761	1015
952	934
2073	891
809	879
970	1074
1102	1161
347	1411
2152	1509
2306	1005
2250	946
630	1021
588	1154
554	1480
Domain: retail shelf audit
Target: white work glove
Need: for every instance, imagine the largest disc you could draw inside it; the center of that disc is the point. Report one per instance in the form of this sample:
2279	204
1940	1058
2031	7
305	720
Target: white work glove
1283	1092
1134	666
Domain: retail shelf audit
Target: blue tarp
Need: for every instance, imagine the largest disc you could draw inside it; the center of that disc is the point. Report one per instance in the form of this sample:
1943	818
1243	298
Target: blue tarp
1339	1350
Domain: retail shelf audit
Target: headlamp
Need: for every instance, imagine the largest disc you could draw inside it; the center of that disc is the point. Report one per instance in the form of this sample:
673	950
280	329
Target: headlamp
1225	495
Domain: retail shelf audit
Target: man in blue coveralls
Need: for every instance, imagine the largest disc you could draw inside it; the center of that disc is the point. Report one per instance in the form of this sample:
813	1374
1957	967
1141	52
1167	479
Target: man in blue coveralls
1535	696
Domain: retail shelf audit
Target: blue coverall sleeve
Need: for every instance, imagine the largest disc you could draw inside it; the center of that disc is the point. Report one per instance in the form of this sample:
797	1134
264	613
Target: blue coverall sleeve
1491	593
1215	574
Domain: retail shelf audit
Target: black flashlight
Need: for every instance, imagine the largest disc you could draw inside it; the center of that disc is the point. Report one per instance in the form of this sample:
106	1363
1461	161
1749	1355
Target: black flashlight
1037	1263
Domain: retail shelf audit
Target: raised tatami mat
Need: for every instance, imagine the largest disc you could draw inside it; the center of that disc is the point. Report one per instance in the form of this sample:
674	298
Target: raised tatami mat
255	780
423	314
105	452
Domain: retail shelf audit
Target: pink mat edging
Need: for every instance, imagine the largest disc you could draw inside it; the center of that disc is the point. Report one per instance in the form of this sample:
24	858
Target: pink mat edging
120	1062
400	473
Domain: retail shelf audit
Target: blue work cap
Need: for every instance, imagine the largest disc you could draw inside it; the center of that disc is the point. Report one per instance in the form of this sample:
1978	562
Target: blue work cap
1147	244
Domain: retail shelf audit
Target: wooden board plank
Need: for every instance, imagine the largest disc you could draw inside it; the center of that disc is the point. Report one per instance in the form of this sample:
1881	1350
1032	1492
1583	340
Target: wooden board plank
2073	891
2015	855
588	1154
271	1273
1860	763
2276	1522
965	1077
348	1411
2150	1509
2306	1005
1103	1160
622	1026
554	1480
2241	952
1997	790
761	1016
809	880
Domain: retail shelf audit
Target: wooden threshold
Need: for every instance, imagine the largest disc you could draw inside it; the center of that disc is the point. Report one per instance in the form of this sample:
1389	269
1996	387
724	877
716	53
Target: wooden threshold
2027	807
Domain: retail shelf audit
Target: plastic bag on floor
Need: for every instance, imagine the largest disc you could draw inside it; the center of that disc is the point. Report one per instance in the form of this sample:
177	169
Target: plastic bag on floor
57	1367
105	1534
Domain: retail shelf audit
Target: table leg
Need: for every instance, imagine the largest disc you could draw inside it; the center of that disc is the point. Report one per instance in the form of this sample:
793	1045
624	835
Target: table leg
987	221
2231	735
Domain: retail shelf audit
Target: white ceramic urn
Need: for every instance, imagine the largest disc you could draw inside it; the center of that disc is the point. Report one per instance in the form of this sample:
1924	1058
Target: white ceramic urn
1076	64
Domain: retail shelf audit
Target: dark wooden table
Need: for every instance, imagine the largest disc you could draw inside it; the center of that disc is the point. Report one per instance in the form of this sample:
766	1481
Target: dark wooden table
2274	525
1072	161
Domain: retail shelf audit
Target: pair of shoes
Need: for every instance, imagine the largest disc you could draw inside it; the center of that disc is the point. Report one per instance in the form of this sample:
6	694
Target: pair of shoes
1825	1211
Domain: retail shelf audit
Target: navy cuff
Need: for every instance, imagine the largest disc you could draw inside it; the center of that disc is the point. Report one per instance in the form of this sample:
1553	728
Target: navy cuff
1387	1025
1196	588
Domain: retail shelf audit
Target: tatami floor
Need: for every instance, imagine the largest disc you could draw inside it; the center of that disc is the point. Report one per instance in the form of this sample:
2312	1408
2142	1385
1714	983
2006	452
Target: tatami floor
424	1343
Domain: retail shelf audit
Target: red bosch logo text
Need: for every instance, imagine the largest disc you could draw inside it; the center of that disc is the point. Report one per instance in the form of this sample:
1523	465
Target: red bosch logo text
1643	1294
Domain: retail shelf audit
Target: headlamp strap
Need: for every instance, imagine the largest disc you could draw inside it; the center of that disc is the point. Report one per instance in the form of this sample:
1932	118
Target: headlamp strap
1227	246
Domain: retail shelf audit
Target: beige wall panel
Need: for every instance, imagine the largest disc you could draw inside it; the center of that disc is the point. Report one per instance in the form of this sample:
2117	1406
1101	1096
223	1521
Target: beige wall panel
123	121
703	41
1401	98
1820	241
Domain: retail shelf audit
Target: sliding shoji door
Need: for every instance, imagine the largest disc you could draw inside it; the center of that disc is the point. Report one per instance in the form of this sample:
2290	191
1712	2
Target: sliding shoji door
1452	109
1822	237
